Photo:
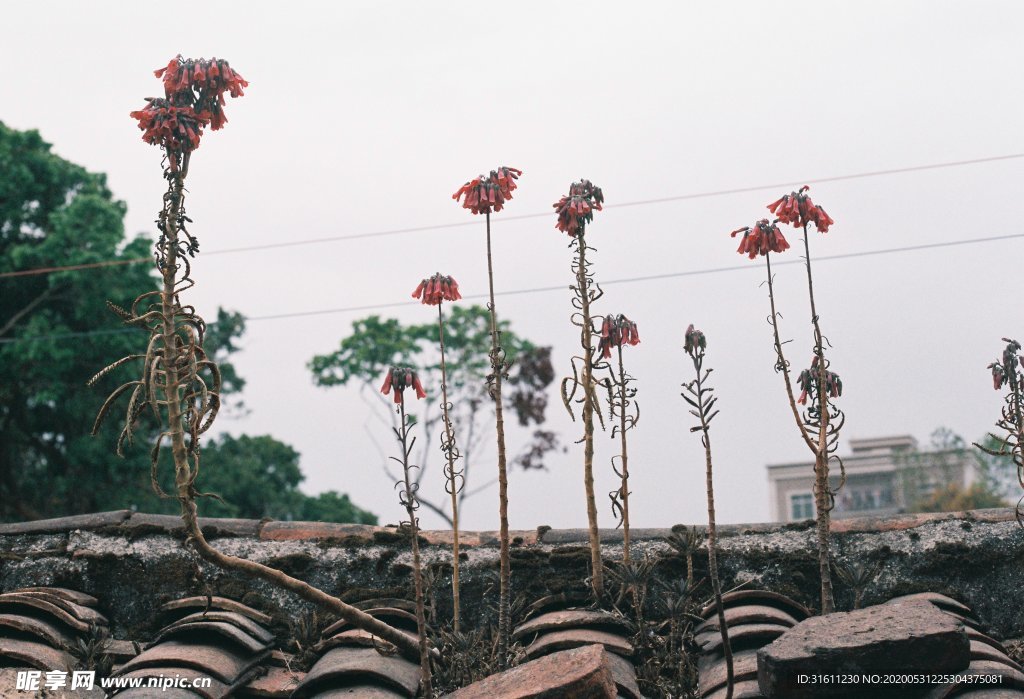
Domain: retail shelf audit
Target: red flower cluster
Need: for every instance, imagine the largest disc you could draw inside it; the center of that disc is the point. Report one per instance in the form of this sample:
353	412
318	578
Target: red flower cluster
617	331
400	378
177	129
486	194
576	209
808	381
436	289
798	209
193	99
695	341
760	239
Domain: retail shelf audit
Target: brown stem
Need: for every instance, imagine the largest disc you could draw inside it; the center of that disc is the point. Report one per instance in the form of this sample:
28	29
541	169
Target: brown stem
1019	425
781	363
625	459
449	436
497	369
822	497
716	584
354	616
171	390
586	338
417	570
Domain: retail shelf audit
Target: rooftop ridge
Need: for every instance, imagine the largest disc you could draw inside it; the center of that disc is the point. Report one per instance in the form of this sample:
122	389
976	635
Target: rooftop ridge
139	523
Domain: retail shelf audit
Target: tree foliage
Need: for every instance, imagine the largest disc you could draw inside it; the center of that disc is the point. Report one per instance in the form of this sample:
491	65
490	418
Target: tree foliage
56	331
53	212
954	497
933	480
363	357
257	477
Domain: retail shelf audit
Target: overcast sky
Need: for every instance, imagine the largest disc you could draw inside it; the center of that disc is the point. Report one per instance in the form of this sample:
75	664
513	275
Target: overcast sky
365	117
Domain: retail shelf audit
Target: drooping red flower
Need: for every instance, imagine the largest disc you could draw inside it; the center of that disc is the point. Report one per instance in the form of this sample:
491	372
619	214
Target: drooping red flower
576	209
798	209
193	99
760	239
489	193
400	378
695	341
175	129
617	331
433	290
808	382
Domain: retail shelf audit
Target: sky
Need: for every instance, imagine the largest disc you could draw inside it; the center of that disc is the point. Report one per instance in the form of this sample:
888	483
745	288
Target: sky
364	117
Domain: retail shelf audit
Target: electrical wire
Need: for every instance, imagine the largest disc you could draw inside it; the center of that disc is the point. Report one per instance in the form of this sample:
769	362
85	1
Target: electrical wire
544	289
518	217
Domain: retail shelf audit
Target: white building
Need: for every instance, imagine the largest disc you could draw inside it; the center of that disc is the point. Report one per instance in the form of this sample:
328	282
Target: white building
880	474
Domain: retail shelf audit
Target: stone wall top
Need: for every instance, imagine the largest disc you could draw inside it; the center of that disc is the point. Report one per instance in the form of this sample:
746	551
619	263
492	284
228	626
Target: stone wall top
128	523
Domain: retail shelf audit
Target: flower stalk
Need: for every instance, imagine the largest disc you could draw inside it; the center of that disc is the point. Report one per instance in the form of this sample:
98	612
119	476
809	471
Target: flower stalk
824	444
617	331
485	194
179	384
700	398
575	211
1006	372
452	474
398	379
434	291
819	425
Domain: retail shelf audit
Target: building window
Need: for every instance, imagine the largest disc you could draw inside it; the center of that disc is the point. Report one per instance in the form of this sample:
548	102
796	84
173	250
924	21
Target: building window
801	507
866	498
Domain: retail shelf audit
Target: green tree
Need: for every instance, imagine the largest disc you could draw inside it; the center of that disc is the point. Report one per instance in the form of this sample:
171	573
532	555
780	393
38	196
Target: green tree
56	332
956	498
997	473
932	479
256	477
375	344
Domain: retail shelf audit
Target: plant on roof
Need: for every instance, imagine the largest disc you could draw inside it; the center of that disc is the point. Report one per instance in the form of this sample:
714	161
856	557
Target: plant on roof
396	381
820	422
617	331
686	542
575	212
702	404
179	383
482	195
1007	375
432	292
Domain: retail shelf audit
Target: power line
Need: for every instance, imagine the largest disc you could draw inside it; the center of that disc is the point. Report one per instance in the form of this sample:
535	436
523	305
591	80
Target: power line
519	217
544	289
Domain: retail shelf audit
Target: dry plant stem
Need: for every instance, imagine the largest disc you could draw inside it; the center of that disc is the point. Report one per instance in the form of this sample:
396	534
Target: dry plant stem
1012	423
183	470
781	364
712	527
586	337
821	486
625	460
818	447
498	369
417	569
452	484
1018	435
